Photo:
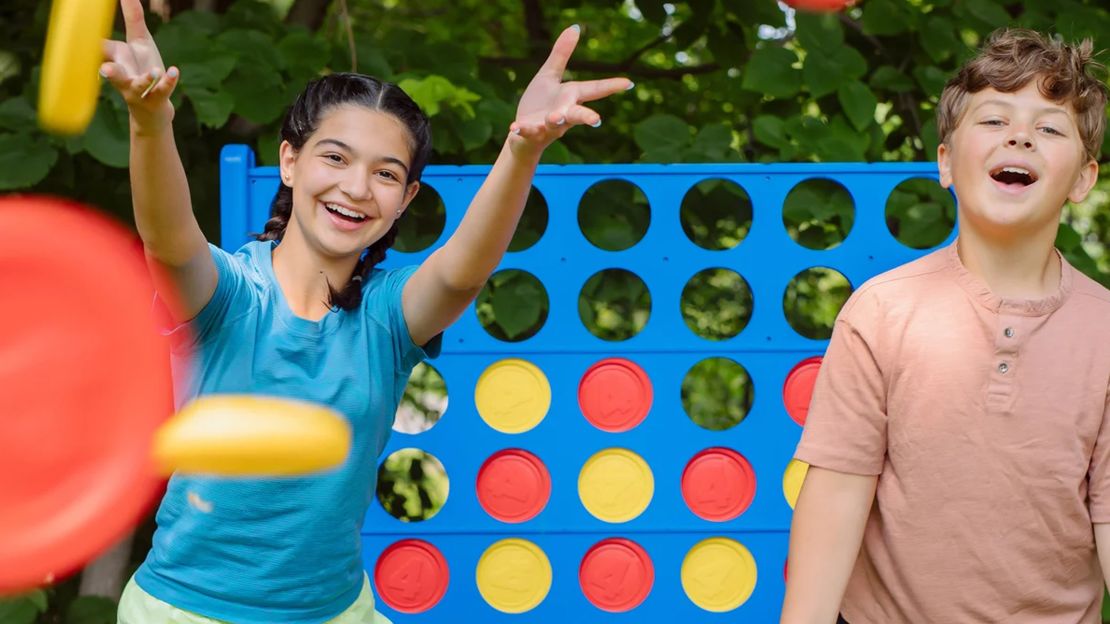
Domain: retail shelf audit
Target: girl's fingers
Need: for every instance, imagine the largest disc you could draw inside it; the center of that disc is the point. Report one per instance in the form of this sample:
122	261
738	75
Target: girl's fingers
118	75
580	115
597	89
556	118
165	86
119	52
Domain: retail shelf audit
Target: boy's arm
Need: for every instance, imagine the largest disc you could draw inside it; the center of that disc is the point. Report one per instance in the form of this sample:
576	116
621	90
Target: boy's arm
825	538
452	276
174	243
1102	545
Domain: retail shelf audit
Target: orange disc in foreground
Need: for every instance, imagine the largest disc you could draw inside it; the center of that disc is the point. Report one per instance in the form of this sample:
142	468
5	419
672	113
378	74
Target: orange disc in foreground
819	5
84	382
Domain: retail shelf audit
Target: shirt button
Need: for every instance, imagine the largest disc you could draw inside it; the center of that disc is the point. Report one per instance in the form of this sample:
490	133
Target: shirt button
1003	367
1009	332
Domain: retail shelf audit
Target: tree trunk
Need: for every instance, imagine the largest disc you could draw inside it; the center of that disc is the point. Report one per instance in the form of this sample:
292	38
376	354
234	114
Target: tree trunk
105	575
308	13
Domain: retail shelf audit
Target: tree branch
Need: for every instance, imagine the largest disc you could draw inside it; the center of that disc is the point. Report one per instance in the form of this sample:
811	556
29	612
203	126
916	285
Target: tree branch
308	13
539	35
611	68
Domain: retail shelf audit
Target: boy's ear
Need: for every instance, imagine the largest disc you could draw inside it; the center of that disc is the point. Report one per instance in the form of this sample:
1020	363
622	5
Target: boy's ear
1088	175
944	165
287	156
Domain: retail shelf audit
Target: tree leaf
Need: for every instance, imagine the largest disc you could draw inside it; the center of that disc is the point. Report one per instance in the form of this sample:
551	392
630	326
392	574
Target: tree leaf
91	610
212	107
259	92
712	142
885	17
662	134
24	161
938	38
17	114
770	130
652	10
888	78
108	137
858	102
819	32
517	306
770	71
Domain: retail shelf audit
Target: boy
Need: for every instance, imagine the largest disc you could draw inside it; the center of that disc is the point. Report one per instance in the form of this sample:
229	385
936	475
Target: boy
959	434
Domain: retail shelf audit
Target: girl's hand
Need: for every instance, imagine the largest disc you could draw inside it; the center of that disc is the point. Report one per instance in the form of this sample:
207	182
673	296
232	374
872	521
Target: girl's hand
550	107
136	70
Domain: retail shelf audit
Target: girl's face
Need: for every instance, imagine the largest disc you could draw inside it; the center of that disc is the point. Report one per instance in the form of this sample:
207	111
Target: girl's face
348	181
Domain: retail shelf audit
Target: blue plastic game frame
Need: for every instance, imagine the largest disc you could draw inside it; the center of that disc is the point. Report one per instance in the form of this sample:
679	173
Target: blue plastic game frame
665	259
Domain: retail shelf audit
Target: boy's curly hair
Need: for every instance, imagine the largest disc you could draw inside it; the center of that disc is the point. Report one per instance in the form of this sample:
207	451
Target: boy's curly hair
1011	58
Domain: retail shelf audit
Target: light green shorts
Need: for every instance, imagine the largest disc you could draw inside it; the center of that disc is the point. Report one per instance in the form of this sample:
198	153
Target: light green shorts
138	607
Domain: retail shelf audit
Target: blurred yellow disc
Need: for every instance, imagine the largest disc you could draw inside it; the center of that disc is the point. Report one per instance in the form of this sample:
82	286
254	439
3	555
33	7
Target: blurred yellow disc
252	435
513	575
70	82
718	574
512	396
616	485
792	481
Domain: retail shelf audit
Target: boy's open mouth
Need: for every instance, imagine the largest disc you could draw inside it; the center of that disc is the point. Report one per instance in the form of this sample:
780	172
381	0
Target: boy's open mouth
1013	175
345	214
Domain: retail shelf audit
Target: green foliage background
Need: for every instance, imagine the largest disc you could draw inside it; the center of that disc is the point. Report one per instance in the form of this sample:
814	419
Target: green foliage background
717	81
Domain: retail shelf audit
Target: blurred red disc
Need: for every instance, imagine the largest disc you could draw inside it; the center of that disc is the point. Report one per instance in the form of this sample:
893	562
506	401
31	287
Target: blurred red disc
84	382
819	5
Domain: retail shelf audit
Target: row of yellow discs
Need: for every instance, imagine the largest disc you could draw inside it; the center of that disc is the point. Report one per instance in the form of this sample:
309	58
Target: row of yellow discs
718	574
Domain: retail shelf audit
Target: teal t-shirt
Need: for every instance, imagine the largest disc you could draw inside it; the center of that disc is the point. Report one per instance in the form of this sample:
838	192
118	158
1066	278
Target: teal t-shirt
259	551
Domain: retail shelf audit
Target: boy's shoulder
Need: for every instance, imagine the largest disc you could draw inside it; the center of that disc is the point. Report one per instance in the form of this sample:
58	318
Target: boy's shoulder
1088	292
906	286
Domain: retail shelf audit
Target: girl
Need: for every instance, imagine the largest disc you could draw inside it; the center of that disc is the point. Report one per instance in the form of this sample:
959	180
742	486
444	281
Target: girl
304	313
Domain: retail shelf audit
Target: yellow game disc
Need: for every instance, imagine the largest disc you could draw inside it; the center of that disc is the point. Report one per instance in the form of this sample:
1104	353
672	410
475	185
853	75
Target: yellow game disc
616	485
512	396
792	481
513	575
718	574
71	60
252	435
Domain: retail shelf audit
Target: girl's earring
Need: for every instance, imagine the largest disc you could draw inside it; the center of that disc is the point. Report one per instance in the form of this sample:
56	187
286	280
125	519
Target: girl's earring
398	215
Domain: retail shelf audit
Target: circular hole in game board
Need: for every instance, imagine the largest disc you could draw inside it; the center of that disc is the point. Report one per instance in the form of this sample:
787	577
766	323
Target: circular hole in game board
533	222
614	214
512	306
920	213
411	576
513	485
424	401
716	214
798	388
616	575
614	304
412	485
716	304
718	484
423	221
818	213
615	395
812	300
717	393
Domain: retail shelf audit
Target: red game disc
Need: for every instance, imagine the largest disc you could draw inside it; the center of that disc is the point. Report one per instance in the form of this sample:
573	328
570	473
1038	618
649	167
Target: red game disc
616	575
513	485
411	576
84	383
718	484
798	389
615	395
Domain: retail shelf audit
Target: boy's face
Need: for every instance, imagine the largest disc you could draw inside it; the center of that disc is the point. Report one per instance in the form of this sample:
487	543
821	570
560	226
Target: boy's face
1014	159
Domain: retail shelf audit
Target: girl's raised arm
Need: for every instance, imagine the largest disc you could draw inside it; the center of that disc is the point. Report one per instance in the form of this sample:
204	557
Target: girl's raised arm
452	276
163	208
